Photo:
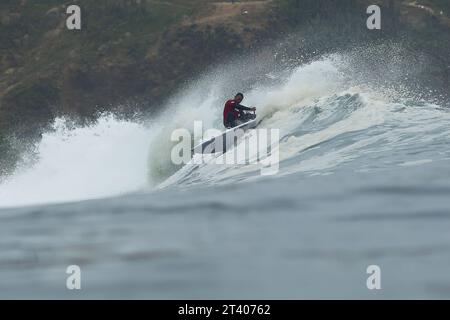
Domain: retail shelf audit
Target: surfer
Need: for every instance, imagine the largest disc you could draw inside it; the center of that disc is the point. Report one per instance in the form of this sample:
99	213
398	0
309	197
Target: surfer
233	112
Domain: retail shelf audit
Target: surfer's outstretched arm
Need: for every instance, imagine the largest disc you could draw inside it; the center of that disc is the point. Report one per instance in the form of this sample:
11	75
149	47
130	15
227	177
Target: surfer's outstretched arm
244	108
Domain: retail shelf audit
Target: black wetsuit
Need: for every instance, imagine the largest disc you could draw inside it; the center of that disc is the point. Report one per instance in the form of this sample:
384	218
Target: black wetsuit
231	113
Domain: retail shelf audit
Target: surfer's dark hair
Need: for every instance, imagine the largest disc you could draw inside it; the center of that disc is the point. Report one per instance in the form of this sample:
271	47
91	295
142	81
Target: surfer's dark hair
240	94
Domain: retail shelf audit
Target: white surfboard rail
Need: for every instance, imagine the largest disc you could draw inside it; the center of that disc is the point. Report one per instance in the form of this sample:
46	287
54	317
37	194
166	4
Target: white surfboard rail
226	139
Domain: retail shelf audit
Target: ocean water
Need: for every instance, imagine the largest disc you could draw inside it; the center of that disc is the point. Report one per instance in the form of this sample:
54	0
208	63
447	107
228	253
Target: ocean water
363	180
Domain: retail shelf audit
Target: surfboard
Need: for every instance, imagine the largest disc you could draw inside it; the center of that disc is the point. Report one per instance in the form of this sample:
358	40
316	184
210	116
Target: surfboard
223	142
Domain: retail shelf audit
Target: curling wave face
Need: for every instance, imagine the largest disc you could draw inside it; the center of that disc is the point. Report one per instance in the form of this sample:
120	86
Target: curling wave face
327	123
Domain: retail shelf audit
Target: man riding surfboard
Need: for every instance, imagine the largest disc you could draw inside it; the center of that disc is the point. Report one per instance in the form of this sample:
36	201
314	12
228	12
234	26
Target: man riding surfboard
234	111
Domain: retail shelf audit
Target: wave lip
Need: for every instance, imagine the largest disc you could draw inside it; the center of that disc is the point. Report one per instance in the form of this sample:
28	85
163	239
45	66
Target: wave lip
329	120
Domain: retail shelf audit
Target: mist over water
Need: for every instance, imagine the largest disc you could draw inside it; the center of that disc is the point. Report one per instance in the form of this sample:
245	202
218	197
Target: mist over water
108	158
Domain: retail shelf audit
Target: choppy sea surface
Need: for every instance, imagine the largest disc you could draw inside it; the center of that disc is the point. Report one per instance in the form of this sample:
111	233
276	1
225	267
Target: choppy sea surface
364	179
